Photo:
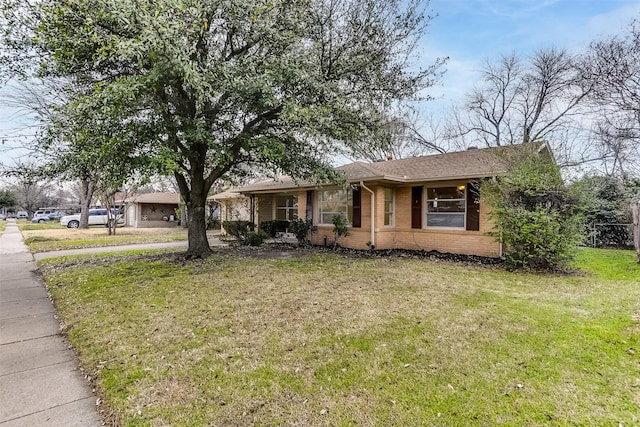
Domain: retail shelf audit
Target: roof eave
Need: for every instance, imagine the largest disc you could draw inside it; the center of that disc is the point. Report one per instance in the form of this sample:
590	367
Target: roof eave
380	178
455	177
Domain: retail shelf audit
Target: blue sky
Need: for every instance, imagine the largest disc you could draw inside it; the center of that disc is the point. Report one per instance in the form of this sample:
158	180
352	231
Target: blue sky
471	31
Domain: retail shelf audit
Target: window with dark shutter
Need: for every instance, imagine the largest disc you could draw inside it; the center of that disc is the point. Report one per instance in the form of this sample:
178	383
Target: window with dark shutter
473	206
357	207
309	210
416	207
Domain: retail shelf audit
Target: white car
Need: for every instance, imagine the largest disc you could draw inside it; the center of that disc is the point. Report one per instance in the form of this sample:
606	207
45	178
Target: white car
96	217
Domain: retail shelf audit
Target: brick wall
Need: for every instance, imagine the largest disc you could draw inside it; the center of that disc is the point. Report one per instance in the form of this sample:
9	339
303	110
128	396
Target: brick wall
401	235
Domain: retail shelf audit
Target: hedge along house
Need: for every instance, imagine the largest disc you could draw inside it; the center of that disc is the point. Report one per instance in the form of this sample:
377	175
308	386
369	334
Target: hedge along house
422	203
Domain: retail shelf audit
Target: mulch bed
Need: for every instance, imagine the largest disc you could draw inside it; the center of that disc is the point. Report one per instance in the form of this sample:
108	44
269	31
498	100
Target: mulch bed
284	251
280	251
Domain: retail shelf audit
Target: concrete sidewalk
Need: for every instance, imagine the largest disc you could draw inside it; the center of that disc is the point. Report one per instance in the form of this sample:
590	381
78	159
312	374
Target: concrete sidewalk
40	382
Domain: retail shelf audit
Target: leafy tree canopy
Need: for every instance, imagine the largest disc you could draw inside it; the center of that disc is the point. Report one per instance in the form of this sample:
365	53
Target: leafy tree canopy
7	199
212	88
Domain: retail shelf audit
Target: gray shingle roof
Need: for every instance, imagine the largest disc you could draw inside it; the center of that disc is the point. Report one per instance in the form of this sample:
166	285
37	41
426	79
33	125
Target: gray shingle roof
475	163
469	164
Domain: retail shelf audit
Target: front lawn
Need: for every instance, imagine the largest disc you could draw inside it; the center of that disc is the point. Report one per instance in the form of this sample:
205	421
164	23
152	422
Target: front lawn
324	339
47	237
47	225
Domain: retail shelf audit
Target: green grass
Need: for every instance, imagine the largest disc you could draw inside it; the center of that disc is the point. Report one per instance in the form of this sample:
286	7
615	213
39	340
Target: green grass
33	241
3	225
610	264
28	225
328	340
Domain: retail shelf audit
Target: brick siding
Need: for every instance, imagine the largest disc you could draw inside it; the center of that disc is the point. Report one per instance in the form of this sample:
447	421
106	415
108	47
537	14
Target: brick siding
401	235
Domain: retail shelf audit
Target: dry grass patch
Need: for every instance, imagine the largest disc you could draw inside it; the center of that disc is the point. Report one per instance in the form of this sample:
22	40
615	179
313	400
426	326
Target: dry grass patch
53	239
330	340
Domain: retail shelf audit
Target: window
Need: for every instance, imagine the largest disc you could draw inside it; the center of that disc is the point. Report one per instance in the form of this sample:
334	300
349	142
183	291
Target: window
446	207
388	206
286	207
334	202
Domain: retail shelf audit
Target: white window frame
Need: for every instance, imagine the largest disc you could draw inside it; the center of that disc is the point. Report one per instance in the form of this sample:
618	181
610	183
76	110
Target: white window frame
429	200
392	206
290	212
348	207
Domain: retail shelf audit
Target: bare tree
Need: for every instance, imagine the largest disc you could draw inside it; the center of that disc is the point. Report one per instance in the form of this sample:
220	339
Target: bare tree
612	67
408	134
30	186
617	139
522	101
635	208
491	105
33	99
427	134
160	183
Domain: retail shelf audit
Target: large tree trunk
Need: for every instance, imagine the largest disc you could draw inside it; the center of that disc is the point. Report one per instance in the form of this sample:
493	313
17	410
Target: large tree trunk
195	198
635	207
198	242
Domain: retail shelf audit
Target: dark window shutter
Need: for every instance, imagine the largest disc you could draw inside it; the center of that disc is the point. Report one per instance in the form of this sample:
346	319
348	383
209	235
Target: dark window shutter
473	206
356	196
416	207
309	212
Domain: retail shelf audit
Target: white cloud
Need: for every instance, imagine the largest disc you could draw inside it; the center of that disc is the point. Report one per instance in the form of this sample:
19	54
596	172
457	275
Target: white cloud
614	22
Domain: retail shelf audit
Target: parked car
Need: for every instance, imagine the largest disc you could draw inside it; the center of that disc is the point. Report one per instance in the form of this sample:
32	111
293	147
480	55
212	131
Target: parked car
42	212
55	215
22	215
52	214
96	217
40	219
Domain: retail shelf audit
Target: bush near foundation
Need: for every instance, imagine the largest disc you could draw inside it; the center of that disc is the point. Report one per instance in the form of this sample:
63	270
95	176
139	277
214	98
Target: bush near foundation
238	229
272	228
537	218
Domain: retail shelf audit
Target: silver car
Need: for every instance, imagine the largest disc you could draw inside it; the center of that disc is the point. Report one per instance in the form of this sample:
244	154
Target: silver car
96	217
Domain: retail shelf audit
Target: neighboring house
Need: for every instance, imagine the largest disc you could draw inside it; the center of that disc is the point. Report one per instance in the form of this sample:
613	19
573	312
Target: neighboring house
151	210
425	203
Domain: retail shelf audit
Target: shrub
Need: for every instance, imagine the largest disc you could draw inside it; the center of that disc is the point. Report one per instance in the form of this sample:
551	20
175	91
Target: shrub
340	229
272	228
238	229
536	217
538	238
213	223
301	228
256	238
607	208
